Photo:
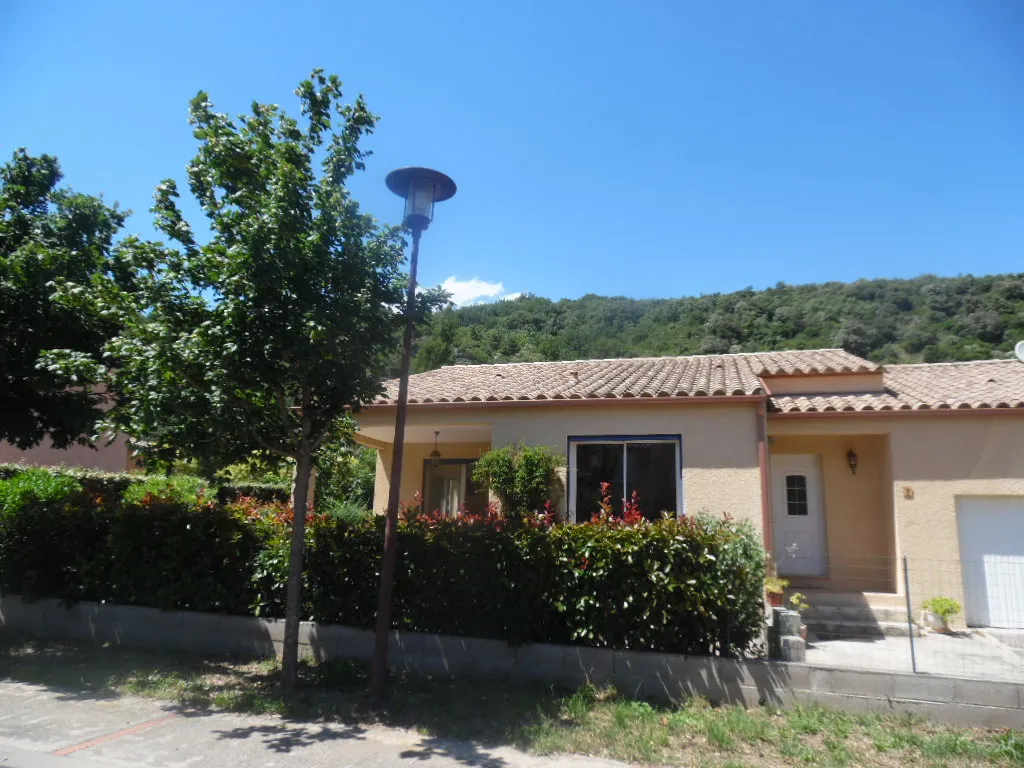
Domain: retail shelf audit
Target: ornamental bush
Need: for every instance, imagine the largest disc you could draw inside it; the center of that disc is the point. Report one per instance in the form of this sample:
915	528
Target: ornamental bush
686	586
523	477
115	484
159	552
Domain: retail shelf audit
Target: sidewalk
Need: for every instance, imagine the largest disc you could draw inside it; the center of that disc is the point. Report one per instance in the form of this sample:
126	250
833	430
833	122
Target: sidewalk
43	729
976	654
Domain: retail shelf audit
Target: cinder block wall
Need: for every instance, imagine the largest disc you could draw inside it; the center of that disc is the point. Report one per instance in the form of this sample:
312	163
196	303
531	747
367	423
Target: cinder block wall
666	678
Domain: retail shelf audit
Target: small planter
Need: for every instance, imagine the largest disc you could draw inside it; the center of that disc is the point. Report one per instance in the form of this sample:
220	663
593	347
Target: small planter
803	632
934	622
775	599
937	611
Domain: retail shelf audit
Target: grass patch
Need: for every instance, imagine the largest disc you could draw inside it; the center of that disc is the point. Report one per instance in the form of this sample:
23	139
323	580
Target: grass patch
537	718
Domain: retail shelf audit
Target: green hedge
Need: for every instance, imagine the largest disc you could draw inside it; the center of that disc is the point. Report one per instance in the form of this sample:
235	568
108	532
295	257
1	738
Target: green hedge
114	484
689	586
73	543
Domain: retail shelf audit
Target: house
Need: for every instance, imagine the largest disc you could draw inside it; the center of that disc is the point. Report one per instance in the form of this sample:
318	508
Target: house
108	457
102	454
845	467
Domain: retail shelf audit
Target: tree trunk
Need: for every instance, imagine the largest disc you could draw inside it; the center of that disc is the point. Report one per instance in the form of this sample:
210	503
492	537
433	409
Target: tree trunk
293	600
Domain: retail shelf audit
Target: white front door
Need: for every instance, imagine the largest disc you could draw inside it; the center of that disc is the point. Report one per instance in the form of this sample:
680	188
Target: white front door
798	513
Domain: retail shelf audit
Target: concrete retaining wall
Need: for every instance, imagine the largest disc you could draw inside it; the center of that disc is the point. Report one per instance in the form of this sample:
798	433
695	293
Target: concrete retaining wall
655	676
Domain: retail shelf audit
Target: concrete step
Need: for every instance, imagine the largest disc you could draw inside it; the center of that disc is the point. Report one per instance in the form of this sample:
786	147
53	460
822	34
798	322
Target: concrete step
858	630
867	613
843	598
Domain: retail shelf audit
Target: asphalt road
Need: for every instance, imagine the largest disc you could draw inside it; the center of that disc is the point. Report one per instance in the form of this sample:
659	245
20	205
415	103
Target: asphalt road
40	728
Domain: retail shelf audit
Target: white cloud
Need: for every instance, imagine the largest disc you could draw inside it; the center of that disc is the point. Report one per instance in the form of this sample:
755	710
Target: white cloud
472	291
511	296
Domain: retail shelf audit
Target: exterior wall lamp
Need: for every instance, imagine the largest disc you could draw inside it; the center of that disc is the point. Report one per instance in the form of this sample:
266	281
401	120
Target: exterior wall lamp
851	460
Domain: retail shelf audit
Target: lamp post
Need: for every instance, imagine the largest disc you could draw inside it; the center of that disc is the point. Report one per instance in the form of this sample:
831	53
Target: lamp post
421	188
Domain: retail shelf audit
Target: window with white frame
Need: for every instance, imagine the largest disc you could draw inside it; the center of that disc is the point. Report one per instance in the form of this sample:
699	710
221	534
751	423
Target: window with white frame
649	465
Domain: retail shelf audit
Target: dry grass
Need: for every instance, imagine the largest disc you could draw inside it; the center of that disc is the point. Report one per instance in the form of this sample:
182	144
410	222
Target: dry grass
536	718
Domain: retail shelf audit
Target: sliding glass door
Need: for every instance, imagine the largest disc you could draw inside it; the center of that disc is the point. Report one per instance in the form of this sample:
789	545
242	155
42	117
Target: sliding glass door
448	487
649	466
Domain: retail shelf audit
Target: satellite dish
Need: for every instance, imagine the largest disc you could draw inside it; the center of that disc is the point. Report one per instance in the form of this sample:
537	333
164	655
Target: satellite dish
1019	351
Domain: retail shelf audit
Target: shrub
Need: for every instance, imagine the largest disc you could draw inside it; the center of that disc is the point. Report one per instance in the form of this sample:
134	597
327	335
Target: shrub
687	586
175	489
45	521
346	472
176	557
349	511
114	484
94	481
73	545
523	477
30	484
692	585
263	492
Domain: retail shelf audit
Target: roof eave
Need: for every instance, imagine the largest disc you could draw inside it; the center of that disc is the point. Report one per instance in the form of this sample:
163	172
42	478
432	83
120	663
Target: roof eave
870	414
591	401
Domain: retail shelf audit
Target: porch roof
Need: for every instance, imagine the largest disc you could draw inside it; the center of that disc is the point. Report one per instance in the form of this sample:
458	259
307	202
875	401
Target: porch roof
926	386
645	377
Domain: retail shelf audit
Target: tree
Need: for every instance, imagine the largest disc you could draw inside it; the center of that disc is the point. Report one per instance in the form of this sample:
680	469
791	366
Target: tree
262	337
886	320
440	348
53	242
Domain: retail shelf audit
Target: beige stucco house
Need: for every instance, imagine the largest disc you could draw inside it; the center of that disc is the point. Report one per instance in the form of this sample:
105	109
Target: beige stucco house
845	467
109	457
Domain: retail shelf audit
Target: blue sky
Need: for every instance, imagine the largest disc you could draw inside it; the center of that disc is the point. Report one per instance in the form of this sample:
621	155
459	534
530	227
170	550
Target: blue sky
641	149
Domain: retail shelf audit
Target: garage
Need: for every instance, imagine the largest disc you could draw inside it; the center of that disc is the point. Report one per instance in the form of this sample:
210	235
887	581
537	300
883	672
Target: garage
991	532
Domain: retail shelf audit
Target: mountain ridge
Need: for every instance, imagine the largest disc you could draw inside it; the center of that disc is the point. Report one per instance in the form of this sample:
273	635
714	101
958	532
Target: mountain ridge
922	319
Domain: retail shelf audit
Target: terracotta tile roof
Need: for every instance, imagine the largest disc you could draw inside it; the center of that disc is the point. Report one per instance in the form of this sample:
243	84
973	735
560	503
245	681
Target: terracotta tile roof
661	377
927	386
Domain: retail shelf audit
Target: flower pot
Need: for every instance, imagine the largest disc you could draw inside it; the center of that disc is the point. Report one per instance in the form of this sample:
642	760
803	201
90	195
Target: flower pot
803	632
775	599
933	622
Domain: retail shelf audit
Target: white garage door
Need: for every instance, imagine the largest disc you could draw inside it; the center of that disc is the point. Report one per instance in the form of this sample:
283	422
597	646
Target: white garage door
991	532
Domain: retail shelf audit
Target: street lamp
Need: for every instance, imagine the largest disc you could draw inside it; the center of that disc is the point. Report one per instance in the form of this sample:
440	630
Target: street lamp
421	188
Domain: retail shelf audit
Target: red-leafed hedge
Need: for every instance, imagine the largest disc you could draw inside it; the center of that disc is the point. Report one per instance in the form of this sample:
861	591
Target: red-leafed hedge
689	586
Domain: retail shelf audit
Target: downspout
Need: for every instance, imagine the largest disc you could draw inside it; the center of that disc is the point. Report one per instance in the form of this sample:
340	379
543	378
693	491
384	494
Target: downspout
766	478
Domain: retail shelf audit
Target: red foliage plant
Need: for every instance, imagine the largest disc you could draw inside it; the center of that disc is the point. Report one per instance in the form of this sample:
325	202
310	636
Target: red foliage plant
276	512
493	517
605	515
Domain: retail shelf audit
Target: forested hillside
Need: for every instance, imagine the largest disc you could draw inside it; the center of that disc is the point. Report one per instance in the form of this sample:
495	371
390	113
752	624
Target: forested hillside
924	319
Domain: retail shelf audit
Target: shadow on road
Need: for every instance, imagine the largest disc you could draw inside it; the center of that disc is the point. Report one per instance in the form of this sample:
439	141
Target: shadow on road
463	752
461	716
287	737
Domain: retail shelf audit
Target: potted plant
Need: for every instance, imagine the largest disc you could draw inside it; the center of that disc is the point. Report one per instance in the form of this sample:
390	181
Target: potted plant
937	612
775	588
798	603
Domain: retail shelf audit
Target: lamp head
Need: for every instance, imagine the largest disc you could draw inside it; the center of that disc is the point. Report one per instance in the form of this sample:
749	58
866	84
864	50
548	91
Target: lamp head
421	188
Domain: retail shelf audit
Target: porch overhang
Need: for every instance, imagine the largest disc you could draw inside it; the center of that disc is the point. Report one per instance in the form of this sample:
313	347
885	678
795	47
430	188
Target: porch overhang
383	436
